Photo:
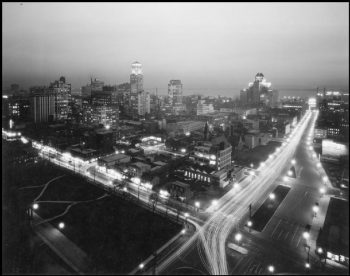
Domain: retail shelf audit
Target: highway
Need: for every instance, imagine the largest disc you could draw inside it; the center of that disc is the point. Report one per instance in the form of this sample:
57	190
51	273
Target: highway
232	207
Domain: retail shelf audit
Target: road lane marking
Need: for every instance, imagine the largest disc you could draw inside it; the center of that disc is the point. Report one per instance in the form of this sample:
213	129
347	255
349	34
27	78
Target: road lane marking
275	227
286	235
298	241
296	230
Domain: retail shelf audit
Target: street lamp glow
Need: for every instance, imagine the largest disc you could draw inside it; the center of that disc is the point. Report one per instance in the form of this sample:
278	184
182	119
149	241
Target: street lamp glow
315	208
35	206
314	155
125	189
306	235
61	225
310	147
183	231
307	265
186	215
293	162
318	165
272	196
251	173
262	164
290	173
108	126
251	165
141	266
238	237
197	204
325	178
214	202
271	268
183	150
250	223
319	250
322	190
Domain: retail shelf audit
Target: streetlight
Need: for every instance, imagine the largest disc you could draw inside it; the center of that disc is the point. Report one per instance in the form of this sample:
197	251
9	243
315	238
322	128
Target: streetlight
307	265
214	203
183	231
272	196
251	165
322	191
290	173
314	155
238	237
306	235
318	165
315	208
35	206
249	224
141	266
319	250
197	204
271	268
186	216
293	162
61	225
325	178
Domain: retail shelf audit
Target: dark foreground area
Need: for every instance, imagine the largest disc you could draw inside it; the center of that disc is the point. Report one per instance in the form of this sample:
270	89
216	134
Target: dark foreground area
268	208
115	233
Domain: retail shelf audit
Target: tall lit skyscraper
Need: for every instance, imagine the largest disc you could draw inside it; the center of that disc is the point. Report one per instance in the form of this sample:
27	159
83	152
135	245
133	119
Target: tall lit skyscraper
63	97
139	103
175	96
259	93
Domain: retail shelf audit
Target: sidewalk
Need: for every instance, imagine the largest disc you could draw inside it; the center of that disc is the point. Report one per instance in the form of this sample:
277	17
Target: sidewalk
318	221
62	246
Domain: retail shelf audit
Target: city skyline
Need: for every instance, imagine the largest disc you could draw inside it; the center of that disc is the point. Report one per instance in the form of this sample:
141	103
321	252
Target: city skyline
305	55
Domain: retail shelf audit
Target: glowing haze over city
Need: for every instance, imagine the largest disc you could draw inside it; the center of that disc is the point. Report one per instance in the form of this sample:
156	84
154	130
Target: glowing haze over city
175	138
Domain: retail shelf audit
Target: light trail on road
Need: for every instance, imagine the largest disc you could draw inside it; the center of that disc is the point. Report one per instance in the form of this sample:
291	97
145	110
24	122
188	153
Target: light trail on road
234	204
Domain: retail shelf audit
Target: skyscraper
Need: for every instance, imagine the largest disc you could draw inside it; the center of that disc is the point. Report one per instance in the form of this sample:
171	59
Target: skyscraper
42	104
175	96
63	97
259	93
139	103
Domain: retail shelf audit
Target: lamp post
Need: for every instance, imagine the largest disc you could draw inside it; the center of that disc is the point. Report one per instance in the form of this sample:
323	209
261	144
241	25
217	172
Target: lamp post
197	204
315	208
214	203
61	225
249	224
322	191
271	268
238	237
186	216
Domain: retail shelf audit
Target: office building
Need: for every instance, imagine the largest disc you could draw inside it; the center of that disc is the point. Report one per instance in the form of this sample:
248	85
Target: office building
175	96
203	108
63	98
42	105
259	93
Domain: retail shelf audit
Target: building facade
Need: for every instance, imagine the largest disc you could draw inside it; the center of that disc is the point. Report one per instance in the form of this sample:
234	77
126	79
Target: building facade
63	98
42	105
259	93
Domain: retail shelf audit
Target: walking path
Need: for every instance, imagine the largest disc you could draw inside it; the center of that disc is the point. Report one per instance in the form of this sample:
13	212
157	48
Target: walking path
71	254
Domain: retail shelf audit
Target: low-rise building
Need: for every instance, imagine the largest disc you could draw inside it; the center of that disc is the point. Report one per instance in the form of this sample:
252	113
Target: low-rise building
179	190
114	159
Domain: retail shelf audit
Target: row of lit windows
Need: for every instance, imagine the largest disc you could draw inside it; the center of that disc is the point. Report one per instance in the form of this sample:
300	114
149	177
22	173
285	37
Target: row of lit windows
197	176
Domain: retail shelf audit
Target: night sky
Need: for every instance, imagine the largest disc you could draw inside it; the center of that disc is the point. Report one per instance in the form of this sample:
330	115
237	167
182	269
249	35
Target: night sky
206	45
